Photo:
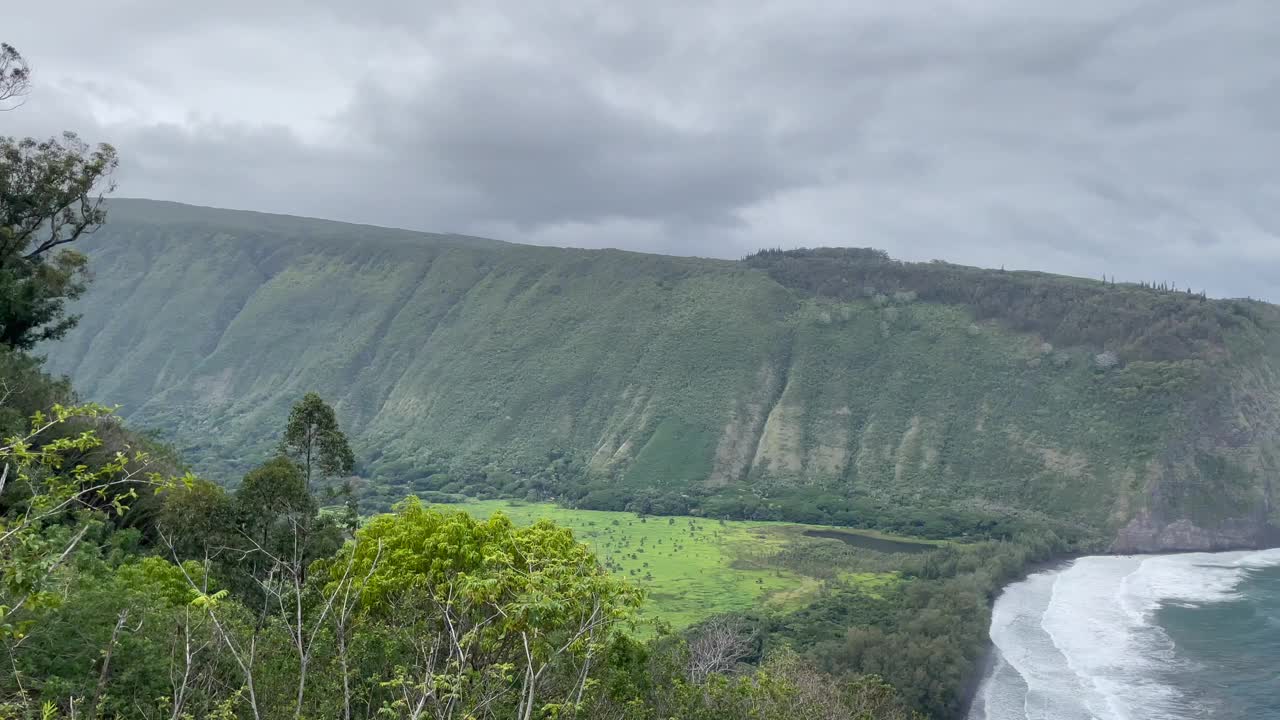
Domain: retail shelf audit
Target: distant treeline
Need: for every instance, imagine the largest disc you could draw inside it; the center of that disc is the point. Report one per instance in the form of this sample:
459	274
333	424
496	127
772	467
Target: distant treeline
1136	321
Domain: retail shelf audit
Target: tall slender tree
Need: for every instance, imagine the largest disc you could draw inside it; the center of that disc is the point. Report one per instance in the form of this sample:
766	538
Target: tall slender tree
314	440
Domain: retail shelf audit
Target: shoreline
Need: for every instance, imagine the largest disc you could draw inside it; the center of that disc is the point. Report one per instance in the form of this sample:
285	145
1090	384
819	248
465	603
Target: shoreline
987	661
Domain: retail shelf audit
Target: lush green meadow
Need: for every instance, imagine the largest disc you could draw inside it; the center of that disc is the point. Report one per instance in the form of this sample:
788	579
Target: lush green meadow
692	567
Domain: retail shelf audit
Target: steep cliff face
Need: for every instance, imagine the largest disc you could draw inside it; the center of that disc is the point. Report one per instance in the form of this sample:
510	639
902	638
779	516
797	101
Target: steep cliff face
830	387
1215	486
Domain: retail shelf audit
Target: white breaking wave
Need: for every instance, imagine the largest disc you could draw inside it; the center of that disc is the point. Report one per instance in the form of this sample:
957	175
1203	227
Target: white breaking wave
1080	643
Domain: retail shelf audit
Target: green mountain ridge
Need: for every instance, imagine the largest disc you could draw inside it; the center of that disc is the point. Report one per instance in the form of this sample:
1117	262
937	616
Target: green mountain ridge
831	385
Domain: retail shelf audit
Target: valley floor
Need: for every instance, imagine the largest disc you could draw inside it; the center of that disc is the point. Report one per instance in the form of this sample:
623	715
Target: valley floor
692	568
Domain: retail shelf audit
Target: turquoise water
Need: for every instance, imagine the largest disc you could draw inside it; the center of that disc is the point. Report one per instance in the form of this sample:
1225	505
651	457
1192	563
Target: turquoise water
1232	648
1164	637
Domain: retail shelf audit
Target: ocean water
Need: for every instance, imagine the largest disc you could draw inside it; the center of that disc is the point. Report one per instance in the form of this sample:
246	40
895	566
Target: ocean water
1194	635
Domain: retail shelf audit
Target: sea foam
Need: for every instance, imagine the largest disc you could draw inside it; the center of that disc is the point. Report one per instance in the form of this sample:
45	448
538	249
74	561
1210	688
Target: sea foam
1081	642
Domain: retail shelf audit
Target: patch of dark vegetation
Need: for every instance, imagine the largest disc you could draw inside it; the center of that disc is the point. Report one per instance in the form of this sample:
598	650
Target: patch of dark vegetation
1139	321
869	542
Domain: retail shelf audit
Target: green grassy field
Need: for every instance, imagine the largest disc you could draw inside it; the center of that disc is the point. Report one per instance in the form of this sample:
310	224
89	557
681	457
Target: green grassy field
693	567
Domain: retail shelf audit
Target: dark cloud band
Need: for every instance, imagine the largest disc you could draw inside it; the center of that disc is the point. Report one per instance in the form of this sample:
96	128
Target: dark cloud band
1126	137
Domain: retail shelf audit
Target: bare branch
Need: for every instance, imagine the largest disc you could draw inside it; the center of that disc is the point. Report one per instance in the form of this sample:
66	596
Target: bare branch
717	648
243	658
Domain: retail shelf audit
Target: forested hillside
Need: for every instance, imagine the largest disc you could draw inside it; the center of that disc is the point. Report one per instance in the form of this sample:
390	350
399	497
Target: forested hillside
826	386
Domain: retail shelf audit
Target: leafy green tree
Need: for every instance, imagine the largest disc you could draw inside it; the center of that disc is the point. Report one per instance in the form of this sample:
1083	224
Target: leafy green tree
487	614
198	519
654	681
51	194
46	201
280	522
51	503
271	495
125	638
786	687
314	440
24	389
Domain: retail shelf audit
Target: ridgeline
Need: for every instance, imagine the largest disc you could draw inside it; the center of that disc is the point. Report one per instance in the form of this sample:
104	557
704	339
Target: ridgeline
826	386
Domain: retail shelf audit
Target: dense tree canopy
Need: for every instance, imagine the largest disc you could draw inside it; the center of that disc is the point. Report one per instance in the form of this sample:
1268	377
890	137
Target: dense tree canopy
1140	321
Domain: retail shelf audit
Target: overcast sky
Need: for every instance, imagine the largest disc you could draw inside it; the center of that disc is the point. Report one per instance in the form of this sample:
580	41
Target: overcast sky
1135	138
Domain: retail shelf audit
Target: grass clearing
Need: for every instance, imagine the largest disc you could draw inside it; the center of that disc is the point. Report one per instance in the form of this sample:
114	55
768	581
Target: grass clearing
873	584
692	567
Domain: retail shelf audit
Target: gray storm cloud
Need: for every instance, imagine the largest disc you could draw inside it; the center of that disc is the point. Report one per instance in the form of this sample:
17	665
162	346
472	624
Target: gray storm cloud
1136	139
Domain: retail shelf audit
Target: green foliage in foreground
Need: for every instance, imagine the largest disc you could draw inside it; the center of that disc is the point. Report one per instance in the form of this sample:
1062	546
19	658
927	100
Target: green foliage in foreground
835	387
250	605
42	483
216	603
420	614
917	619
